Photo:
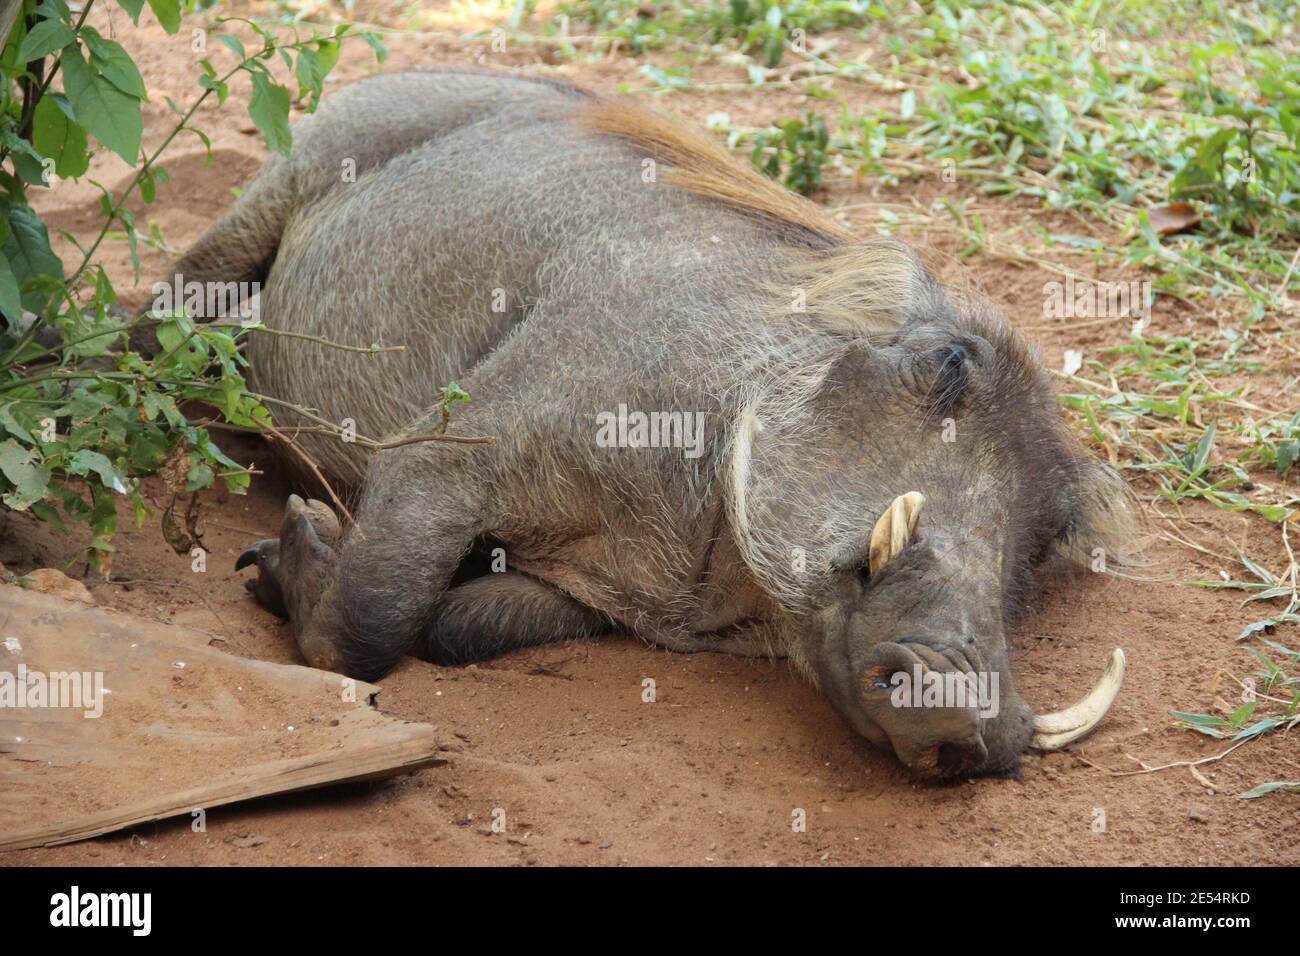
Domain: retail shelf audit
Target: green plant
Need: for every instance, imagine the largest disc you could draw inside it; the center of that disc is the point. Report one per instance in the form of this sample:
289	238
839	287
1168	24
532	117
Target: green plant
1247	170
793	152
84	418
763	28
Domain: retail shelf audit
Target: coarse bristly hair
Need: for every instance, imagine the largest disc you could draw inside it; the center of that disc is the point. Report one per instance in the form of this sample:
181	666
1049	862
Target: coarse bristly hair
862	289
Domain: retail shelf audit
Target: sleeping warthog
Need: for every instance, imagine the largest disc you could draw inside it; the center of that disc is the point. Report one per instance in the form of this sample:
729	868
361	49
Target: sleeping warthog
720	422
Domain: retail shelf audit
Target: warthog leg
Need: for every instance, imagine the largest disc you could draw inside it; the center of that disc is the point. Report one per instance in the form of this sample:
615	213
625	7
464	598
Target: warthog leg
498	612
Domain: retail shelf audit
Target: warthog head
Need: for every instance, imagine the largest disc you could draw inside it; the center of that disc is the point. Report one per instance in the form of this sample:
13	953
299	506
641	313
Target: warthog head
897	498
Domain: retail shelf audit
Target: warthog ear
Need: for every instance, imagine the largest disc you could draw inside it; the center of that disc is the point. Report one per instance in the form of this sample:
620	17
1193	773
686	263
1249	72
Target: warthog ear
1108	525
895	529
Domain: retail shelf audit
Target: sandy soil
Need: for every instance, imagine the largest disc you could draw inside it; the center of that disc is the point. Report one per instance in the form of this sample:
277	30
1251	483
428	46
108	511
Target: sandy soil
715	769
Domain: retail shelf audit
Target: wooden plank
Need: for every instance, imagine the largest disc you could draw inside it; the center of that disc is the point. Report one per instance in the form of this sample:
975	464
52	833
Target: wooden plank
182	725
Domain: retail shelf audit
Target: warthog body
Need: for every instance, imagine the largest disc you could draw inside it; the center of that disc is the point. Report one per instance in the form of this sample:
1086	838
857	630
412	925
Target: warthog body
575	264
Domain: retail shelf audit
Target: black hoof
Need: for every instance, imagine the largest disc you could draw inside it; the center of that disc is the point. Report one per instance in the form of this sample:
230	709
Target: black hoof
266	586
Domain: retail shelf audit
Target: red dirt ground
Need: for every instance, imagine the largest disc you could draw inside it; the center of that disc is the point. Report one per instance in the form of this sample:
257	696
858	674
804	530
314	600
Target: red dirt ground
712	772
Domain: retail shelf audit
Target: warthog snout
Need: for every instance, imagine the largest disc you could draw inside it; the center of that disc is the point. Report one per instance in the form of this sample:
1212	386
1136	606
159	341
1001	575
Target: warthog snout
923	630
939	708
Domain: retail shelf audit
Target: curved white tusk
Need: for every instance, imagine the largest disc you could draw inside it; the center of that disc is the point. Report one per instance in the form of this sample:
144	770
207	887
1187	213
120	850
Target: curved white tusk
894	529
1054	731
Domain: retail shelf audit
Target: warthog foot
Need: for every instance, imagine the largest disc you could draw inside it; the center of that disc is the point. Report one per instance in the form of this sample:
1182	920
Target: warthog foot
294	571
265	588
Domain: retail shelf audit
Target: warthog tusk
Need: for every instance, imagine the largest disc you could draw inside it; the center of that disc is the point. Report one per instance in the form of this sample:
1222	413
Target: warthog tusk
894	529
1054	731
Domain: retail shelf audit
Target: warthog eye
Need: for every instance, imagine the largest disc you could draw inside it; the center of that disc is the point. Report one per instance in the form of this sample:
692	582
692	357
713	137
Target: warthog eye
953	372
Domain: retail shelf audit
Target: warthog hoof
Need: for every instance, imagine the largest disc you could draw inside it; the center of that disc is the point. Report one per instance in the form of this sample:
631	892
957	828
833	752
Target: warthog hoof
265	588
295	571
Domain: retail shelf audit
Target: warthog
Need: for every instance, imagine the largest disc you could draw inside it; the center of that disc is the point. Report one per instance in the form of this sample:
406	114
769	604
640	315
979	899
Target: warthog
720	422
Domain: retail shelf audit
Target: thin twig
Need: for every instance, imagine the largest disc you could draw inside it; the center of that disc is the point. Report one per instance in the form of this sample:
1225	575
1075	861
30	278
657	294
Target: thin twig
315	470
1168	766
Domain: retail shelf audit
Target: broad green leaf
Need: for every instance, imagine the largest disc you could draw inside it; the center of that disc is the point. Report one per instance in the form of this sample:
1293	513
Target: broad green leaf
1243	713
1203	449
54	10
159	402
1286	786
327	51
168	13
12	425
11	300
55	135
29	478
111	115
133	9
86	461
28	163
311	75
28	246
43	39
269	109
232	44
114	63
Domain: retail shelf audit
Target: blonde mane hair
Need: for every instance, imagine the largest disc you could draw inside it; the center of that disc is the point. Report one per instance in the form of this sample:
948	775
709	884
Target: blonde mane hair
698	164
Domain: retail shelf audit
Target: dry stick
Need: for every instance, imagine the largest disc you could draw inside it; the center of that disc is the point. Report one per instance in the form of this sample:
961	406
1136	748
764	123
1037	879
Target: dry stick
333	429
1070	328
365	349
1168	766
413	439
1178	538
319	477
1281	295
1256	694
231	527
1293	570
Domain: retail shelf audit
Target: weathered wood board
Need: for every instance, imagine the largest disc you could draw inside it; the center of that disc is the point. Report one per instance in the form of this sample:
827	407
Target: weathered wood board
181	726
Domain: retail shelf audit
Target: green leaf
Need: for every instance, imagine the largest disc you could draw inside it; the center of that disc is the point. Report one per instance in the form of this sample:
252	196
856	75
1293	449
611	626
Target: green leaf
1243	713
231	43
111	115
168	13
269	109
57	136
28	478
311	75
1203	449
327	51
377	45
103	522
133	9
28	163
1207	724
159	402
54	10
1286	786
114	63
86	461
11	301
28	247
45	38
